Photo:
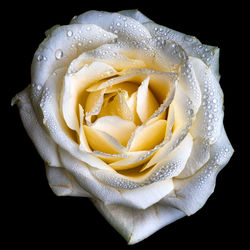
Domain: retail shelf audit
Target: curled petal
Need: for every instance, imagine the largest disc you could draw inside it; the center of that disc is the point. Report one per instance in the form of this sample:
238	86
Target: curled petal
63	184
209	119
73	91
191	193
55	124
116	127
102	141
36	131
126	28
137	224
135	14
60	47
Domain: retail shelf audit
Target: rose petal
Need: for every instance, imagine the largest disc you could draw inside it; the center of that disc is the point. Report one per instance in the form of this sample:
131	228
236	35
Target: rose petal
83	143
183	119
147	137
137	224
192	193
115	105
126	28
146	102
191	45
55	124
209	119
73	91
135	14
199	156
116	127
132	105
102	141
106	55
36	131
62	45
63	184
176	160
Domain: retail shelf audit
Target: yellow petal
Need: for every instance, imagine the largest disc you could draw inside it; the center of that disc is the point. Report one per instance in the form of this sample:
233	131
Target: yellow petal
147	137
82	138
115	126
132	104
73	87
103	142
146	102
115	105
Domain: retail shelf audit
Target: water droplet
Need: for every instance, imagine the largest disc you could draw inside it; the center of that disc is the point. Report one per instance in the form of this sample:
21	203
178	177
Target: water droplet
39	58
69	33
188	38
209	127
59	54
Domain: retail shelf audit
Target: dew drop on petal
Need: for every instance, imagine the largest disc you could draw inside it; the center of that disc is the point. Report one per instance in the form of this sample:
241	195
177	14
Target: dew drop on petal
69	33
59	54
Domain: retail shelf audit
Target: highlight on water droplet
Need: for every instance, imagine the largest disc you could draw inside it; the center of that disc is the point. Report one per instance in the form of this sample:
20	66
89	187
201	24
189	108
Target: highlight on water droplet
69	33
59	54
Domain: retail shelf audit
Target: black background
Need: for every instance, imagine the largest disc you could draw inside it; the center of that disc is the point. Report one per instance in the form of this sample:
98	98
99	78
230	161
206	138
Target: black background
36	217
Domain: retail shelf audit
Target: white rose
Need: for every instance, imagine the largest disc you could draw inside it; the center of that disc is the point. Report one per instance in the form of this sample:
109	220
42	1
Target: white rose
130	114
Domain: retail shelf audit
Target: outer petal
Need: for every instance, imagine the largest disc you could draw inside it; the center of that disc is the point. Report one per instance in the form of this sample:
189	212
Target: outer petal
63	184
46	147
135	14
61	46
192	193
209	119
55	124
191	45
137	224
126	28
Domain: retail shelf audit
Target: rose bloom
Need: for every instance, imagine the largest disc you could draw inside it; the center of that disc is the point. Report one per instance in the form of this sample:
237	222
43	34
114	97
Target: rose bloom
130	114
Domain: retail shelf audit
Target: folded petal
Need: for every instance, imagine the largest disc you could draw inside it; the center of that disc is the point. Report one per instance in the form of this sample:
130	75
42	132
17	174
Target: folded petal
116	127
183	120
209	119
63	183
126	28
60	47
135	14
102	141
191	193
137	224
146	102
73	90
175	161
199	156
191	45
45	146
55	124
148	136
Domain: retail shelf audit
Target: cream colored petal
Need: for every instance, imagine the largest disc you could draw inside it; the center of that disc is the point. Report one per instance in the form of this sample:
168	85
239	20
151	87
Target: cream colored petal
132	105
147	137
135	14
63	183
106	55
137	224
193	192
93	104
73	90
190	44
115	105
120	129
175	161
146	102
45	146
101	141
126	28
55	124
199	156
183	120
209	119
60	47
83	143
